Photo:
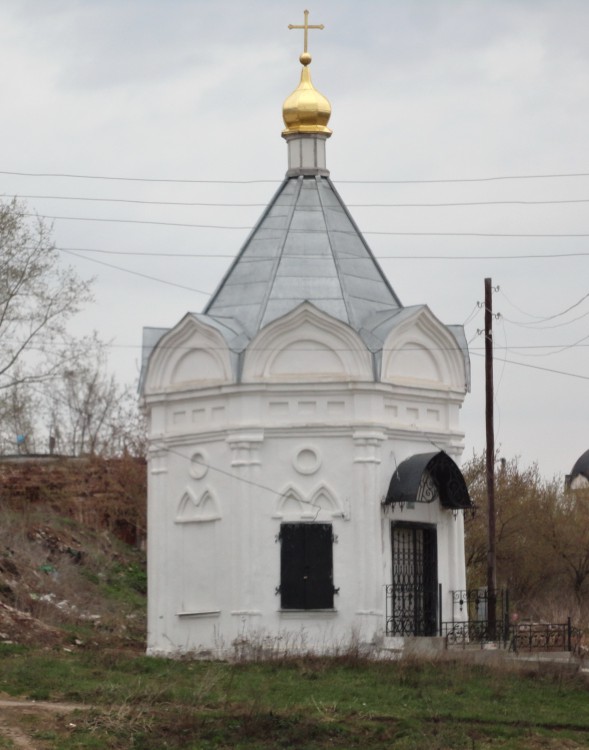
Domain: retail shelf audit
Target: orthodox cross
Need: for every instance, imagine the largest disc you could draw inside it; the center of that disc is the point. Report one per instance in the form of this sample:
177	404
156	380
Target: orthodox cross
306	26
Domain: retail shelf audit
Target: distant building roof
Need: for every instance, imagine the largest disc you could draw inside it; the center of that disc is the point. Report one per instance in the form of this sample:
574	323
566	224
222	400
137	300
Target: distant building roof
579	476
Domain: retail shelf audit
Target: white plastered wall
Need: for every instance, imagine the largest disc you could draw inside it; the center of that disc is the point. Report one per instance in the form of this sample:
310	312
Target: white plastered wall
307	437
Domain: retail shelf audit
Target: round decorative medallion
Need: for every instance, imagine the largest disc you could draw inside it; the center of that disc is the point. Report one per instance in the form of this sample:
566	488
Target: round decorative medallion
307	461
198	466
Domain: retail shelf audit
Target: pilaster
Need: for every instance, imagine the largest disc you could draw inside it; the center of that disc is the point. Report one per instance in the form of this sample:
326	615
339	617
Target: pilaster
246	467
366	519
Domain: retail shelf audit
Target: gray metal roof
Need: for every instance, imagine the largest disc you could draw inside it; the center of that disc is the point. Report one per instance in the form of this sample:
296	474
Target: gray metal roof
306	247
581	466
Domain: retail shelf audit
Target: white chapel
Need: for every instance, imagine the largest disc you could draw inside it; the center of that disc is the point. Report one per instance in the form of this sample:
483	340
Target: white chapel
303	486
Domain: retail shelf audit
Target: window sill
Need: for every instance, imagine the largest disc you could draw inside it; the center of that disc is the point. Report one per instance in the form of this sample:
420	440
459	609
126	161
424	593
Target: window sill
310	613
200	613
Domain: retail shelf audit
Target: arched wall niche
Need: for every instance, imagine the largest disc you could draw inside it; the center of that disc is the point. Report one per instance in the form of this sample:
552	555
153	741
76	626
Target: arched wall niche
192	354
423	351
307	345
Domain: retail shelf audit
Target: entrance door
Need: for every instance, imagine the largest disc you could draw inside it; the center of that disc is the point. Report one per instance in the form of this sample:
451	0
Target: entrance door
412	596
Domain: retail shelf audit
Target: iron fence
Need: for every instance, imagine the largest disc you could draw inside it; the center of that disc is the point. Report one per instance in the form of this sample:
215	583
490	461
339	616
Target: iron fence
412	611
475	632
542	636
521	636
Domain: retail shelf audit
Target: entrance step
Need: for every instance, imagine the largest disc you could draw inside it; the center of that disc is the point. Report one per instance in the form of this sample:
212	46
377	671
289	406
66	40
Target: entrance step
413	645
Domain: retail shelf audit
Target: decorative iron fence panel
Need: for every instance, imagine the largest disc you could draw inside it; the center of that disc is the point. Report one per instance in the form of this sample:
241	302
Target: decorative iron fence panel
527	636
475	604
541	636
475	632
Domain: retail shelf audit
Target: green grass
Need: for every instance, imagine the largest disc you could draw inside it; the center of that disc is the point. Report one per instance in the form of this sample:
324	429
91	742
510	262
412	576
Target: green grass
308	704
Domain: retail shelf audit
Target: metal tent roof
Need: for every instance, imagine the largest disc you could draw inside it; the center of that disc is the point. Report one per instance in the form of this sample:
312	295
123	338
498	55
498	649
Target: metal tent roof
305	247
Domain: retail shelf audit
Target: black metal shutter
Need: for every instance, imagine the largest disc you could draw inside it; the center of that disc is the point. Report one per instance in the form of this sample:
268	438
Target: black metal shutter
306	564
430	581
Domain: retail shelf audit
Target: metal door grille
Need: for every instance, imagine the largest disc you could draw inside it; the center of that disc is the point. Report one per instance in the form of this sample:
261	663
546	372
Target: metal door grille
412	595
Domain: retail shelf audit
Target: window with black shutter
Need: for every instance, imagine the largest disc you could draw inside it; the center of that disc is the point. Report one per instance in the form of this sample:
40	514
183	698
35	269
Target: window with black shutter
306	566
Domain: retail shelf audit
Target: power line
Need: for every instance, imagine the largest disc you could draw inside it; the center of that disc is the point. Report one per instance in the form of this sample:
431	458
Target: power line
262	205
144	202
477	234
137	273
313	231
141	253
538	367
534	324
182	286
249	182
559	350
549	317
474	350
226	473
137	221
464	179
467	203
136	179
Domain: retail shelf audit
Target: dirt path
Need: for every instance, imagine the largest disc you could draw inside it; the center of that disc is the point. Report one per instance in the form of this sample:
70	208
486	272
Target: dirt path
10	709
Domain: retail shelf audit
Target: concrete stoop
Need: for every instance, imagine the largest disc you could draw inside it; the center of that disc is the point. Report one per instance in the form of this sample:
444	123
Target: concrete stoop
398	647
412	646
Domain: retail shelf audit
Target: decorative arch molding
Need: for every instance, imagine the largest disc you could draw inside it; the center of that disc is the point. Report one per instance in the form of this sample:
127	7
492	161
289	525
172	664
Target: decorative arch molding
307	345
192	354
293	504
290	503
325	499
421	350
197	510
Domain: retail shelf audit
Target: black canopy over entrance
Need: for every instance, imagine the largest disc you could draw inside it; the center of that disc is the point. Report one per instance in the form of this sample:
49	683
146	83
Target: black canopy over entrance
423	476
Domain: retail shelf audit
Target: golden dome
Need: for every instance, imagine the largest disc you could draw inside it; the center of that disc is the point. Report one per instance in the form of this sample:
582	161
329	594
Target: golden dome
306	110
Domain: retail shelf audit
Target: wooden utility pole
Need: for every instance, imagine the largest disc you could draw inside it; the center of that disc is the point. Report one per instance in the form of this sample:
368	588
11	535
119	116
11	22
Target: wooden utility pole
491	553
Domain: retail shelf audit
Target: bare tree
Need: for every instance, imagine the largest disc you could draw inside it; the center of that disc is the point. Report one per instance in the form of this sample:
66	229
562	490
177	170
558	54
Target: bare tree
38	296
19	409
88	410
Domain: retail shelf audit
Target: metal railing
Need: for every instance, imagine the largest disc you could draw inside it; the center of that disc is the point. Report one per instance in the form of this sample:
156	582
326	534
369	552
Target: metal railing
472	632
542	636
520	636
415	611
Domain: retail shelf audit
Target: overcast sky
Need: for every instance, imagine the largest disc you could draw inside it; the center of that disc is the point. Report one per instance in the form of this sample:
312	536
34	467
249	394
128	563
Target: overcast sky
429	97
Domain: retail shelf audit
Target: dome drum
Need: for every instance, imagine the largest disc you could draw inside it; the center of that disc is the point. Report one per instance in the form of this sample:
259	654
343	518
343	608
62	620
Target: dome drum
306	154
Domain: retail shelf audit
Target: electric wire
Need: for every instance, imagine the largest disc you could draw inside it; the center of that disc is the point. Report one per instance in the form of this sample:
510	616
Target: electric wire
138	221
315	231
209	255
472	314
263	205
138	273
158	254
535	325
226	473
563	348
539	367
558	314
385	350
249	182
